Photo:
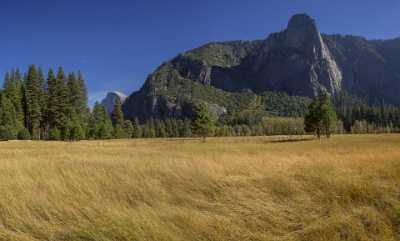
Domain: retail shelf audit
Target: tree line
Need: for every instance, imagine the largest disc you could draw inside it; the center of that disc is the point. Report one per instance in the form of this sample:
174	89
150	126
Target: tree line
360	117
41	106
54	106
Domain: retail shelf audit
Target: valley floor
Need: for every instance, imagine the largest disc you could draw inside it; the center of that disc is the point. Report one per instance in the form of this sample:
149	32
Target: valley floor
261	188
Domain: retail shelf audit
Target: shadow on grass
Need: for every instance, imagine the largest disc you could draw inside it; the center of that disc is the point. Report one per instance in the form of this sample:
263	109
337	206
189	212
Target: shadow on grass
291	140
183	139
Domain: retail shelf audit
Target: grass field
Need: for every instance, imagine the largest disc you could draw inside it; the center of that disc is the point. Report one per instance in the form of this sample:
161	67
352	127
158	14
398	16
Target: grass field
262	188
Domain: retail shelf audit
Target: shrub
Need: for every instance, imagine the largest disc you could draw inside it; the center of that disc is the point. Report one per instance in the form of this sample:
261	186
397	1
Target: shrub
24	134
7	133
55	134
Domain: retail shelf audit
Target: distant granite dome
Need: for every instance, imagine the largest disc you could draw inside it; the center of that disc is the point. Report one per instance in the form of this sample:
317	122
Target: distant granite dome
109	101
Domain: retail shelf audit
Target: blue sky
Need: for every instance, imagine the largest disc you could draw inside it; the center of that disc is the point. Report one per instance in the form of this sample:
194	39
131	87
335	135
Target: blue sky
118	43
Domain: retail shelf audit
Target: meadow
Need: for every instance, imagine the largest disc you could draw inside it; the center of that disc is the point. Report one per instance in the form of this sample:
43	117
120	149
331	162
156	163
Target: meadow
255	188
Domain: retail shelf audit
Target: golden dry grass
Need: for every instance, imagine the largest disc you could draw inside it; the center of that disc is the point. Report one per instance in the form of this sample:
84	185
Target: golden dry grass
346	188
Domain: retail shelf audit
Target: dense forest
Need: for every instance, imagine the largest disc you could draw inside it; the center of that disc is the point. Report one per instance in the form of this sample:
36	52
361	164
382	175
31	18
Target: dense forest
54	106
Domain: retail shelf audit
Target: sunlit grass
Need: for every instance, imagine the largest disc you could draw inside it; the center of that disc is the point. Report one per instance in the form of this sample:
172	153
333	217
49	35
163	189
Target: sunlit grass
346	188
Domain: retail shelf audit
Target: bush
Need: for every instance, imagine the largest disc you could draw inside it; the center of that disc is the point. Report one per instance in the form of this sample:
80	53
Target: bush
76	133
55	134
24	134
119	133
7	133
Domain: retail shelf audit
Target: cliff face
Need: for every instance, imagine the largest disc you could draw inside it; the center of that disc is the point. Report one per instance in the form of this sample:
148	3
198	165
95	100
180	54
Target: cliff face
298	61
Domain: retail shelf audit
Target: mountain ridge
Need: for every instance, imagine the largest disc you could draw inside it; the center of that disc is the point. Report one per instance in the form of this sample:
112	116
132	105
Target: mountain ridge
299	61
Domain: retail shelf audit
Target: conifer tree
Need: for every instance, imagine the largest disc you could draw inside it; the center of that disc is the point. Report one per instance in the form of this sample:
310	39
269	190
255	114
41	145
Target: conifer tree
321	118
117	118
128	129
13	90
137	130
59	109
203	124
43	103
33	114
8	120
100	124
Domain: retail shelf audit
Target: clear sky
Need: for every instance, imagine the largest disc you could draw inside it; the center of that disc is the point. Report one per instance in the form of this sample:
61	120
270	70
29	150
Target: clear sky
117	43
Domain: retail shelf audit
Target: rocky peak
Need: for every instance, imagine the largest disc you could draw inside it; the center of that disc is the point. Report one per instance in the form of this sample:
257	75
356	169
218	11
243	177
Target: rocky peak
302	22
109	101
298	61
302	32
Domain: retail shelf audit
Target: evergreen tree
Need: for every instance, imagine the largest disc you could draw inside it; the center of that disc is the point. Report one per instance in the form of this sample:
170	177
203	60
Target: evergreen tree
328	115
203	124
33	96
100	124
321	117
43	103
78	97
13	89
137	129
59	108
8	120
128	129
117	116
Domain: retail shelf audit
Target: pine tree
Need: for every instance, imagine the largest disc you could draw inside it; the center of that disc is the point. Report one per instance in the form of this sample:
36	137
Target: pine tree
33	102
128	129
52	105
203	124
100	124
13	90
137	129
8	120
77	95
117	116
329	118
321	117
43	103
59	109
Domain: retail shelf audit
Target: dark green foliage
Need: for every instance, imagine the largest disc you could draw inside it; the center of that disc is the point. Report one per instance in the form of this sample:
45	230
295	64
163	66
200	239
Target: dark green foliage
100	124
128	129
282	104
6	134
24	134
13	89
56	109
33	98
358	117
76	133
203	123
8	118
59	108
78	97
117	116
55	134
119	132
137	130
321	117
